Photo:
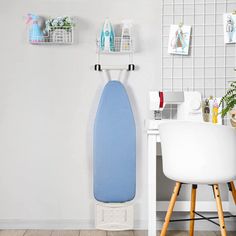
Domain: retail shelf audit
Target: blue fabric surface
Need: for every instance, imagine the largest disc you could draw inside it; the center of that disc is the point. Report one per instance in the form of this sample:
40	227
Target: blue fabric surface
114	147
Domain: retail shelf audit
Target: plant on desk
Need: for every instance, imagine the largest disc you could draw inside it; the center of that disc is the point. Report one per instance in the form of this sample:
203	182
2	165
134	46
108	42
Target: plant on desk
229	103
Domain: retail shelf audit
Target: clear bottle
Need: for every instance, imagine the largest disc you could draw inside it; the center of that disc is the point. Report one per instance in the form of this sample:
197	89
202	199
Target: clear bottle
125	44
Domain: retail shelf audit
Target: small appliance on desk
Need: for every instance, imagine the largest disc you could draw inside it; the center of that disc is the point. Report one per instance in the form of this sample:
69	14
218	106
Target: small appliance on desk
181	106
174	106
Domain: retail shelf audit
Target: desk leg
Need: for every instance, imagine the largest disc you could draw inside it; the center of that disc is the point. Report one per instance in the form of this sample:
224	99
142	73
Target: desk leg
152	185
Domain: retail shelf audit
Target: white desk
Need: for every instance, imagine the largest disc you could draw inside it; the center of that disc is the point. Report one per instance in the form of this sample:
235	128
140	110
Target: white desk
204	206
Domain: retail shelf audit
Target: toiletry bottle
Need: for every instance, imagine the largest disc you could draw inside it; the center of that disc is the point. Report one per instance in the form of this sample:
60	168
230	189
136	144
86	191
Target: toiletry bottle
206	111
215	110
125	44
107	38
211	102
35	33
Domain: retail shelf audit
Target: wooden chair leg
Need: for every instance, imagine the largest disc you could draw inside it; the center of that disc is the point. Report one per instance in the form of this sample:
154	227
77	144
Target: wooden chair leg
192	209
220	210
170	208
233	190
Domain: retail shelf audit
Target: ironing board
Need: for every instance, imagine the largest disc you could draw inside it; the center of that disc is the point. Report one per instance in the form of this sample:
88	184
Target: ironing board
114	147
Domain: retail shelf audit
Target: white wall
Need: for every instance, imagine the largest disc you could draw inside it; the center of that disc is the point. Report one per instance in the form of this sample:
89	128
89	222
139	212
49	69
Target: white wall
48	99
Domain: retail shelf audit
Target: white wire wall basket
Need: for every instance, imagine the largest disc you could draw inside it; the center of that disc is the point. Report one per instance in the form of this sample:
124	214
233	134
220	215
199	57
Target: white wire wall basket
122	45
54	36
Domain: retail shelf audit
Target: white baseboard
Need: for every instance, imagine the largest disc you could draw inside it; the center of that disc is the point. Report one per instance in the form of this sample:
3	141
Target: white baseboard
89	224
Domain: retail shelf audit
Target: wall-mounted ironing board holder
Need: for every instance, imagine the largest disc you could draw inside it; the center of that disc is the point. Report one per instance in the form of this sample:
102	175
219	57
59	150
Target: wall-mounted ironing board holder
99	67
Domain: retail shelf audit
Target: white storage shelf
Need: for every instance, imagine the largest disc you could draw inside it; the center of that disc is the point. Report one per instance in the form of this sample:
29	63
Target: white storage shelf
55	36
121	46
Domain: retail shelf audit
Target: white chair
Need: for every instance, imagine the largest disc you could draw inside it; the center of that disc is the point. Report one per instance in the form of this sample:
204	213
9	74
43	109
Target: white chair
198	153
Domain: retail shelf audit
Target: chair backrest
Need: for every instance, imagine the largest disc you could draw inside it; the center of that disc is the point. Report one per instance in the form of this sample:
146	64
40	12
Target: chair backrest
198	152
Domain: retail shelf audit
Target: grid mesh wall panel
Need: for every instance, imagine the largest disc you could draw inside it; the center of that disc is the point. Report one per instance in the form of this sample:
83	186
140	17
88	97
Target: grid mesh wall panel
209	67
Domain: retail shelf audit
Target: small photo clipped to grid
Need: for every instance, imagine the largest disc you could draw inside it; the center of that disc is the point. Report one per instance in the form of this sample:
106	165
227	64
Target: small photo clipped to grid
179	39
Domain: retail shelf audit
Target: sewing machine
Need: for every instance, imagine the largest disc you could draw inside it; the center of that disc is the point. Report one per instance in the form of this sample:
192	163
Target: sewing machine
181	106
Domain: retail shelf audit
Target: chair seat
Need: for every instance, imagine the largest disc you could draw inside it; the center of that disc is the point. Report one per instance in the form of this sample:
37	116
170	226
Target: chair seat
204	180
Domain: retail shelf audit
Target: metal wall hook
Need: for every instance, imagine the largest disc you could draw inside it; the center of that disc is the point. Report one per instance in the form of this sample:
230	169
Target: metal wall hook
131	67
97	67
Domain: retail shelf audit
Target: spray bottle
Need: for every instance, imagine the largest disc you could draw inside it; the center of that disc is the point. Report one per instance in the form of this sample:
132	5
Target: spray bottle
35	33
125	44
107	39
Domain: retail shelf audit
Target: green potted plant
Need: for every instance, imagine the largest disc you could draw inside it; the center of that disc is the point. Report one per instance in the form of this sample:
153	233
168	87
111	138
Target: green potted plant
229	103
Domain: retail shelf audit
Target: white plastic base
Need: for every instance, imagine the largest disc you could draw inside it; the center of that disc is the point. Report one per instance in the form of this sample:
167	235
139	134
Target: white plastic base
114	216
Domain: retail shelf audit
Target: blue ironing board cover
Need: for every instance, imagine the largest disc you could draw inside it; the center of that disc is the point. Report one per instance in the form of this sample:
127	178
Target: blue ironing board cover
114	147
